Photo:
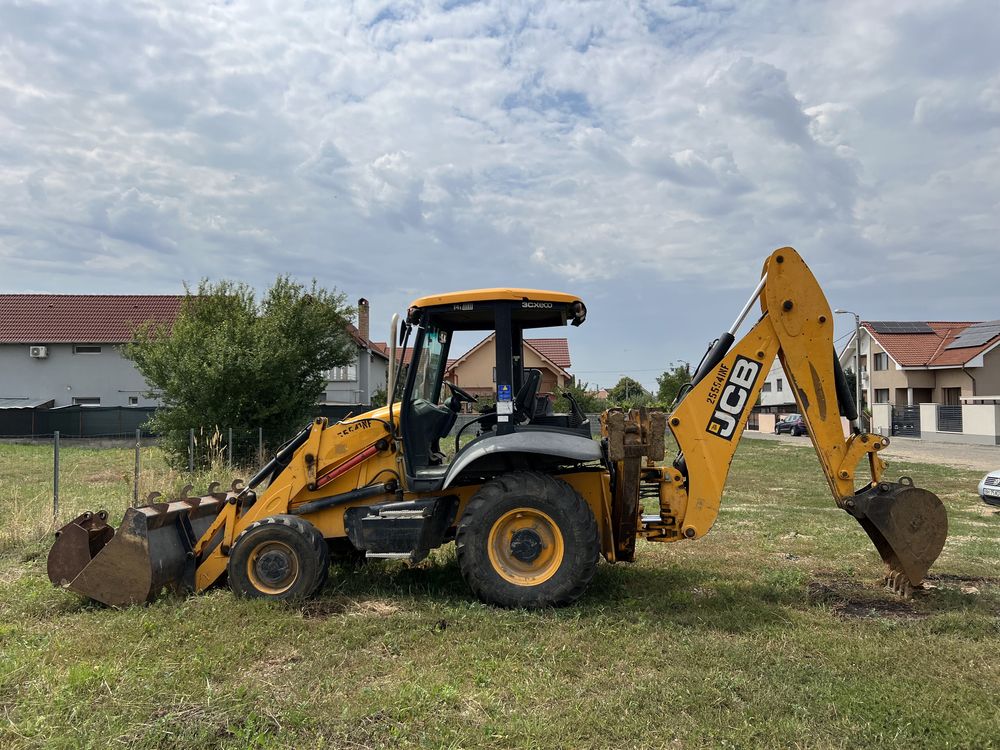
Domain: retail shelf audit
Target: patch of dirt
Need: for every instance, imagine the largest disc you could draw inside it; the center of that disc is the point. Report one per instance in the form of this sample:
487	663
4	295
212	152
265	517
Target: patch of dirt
106	476
11	575
787	556
320	609
796	535
948	578
271	666
847	602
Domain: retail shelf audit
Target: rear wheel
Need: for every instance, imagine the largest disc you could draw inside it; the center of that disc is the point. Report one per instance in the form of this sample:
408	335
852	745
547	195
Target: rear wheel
527	540
278	557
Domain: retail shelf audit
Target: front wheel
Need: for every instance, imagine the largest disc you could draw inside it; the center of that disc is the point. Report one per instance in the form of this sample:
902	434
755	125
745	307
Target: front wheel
527	540
278	557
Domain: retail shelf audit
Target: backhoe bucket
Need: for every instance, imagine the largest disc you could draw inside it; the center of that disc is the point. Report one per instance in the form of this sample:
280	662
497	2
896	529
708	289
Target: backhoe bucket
908	526
152	549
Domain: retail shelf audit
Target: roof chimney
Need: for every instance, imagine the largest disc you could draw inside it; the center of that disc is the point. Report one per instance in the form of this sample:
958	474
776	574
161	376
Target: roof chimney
363	319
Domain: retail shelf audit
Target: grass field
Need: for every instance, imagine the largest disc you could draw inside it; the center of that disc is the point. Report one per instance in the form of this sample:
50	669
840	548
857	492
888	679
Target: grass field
772	631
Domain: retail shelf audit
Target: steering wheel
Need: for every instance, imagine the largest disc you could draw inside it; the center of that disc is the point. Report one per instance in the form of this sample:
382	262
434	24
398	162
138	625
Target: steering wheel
463	395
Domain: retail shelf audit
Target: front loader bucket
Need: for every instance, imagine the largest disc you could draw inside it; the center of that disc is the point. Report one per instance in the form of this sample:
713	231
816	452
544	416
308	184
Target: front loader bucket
908	526
152	549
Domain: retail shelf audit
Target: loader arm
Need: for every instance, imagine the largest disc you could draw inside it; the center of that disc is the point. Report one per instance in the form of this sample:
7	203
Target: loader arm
907	525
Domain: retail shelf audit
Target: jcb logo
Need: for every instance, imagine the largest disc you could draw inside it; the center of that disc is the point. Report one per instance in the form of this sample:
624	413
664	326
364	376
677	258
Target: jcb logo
735	395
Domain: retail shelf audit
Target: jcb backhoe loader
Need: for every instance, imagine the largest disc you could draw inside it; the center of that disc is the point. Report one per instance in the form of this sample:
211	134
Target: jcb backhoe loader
533	501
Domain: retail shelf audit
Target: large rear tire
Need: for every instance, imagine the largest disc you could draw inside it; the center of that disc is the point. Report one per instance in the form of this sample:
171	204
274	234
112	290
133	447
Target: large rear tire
278	557
527	540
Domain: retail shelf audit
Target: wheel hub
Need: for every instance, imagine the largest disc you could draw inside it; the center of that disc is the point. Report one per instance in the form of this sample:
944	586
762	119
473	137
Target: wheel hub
273	567
526	545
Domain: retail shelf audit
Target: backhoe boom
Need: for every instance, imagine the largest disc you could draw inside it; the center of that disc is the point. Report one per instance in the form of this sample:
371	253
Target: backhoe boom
907	525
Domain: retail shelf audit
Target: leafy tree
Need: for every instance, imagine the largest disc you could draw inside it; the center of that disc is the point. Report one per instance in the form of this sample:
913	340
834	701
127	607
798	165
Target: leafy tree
584	396
628	393
671	381
231	361
852	384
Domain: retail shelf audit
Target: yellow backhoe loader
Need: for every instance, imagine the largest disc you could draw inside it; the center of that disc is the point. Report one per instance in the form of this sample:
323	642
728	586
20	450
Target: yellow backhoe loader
533	501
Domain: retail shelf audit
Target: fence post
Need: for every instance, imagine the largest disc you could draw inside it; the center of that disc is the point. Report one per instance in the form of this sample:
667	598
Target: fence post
135	486
260	446
55	476
191	450
229	447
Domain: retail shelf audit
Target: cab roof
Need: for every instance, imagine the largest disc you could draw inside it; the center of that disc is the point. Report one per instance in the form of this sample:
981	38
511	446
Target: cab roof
492	295
474	309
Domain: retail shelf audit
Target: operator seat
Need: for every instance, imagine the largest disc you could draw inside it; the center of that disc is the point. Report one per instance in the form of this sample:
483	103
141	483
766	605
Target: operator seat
525	402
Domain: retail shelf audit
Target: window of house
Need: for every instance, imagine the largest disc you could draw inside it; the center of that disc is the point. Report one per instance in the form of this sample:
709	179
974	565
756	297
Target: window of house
86	349
881	395
881	362
133	400
778	385
494	374
767	387
86	401
345	373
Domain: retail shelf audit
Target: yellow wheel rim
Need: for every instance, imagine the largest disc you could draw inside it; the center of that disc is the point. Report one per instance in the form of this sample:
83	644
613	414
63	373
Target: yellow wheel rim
273	567
525	547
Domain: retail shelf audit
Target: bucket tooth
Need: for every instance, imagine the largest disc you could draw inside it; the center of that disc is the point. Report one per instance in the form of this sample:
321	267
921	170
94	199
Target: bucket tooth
151	497
185	491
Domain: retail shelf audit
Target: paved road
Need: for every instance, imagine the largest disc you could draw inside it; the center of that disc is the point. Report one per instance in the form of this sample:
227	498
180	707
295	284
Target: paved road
982	457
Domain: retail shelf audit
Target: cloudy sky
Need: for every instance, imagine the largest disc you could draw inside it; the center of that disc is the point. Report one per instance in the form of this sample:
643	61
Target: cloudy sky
646	155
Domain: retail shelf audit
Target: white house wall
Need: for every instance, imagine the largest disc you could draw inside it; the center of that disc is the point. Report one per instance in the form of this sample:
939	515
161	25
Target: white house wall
63	375
355	391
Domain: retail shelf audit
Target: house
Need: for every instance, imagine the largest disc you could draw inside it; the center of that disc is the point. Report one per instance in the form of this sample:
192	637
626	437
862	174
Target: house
923	362
475	371
65	349
776	395
357	382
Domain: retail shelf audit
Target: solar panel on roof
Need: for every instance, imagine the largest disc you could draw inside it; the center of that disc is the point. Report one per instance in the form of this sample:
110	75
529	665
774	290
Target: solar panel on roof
976	335
899	326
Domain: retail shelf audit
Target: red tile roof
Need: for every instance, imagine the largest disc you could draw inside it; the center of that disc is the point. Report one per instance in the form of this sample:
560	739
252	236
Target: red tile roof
378	347
554	350
81	318
929	349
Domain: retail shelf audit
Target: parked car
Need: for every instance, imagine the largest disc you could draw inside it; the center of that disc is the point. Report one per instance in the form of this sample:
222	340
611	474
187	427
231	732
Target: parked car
989	488
793	424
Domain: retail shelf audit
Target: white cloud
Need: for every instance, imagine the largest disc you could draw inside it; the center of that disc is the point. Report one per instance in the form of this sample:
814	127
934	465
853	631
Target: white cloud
456	144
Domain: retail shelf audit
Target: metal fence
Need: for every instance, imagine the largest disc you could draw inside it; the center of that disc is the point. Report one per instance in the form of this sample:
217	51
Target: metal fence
110	421
949	418
74	421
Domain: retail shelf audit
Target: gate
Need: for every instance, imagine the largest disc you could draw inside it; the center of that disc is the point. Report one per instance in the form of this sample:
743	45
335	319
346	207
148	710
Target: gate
949	418
906	421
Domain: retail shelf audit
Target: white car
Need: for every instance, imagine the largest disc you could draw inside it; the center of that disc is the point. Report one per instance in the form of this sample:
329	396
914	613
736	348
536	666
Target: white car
989	488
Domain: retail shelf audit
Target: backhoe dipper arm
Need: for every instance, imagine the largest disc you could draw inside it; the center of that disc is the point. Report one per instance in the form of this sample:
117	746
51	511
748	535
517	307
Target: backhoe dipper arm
906	524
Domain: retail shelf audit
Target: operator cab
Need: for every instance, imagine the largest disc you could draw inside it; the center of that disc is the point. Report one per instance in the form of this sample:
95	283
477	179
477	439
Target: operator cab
429	405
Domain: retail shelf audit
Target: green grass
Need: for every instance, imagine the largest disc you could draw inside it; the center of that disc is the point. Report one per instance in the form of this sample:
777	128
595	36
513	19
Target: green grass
772	631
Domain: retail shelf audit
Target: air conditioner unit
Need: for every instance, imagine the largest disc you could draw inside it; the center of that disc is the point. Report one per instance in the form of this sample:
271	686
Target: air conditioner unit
38	352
